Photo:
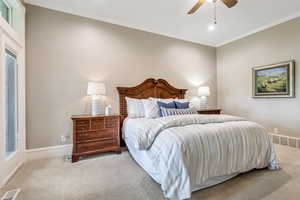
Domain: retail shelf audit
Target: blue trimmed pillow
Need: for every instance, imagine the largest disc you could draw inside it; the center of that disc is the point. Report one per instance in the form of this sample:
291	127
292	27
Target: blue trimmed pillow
173	111
165	105
182	105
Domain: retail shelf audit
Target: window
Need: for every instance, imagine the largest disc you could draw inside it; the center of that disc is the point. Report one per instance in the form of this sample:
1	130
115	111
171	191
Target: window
11	99
6	11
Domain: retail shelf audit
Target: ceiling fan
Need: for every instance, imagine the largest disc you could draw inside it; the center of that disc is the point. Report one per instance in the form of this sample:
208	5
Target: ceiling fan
228	3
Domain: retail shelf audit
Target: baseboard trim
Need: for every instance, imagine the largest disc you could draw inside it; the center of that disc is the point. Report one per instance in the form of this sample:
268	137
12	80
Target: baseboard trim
48	152
285	140
12	173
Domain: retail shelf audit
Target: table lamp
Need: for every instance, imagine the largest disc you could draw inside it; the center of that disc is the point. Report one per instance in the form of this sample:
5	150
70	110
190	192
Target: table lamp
95	90
203	92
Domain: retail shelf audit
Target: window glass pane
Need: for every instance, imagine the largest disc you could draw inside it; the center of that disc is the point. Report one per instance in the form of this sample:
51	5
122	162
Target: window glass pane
14	13
17	17
11	102
4	10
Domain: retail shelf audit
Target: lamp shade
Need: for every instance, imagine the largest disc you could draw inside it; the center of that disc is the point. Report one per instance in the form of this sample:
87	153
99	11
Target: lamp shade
95	88
204	91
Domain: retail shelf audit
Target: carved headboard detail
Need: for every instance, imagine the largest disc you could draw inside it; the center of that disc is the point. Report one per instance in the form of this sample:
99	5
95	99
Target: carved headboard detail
149	88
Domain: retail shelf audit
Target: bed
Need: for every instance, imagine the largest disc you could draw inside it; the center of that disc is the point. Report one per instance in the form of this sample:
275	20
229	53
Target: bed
190	152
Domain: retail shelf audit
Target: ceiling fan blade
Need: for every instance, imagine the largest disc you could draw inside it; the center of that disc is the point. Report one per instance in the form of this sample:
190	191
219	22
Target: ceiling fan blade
196	7
230	3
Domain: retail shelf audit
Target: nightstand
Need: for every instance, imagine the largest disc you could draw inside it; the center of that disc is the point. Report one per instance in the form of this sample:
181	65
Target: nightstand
95	134
210	111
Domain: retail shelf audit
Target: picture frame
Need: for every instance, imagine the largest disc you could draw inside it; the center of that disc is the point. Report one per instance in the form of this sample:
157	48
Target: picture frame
274	81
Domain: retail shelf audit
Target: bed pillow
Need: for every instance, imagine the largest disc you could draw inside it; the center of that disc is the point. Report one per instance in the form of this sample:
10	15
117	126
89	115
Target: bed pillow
173	111
151	108
163	100
192	102
182	100
135	108
182	105
175	99
165	105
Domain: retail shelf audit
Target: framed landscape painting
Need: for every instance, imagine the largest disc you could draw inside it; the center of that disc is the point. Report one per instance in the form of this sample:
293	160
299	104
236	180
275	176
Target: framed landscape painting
277	80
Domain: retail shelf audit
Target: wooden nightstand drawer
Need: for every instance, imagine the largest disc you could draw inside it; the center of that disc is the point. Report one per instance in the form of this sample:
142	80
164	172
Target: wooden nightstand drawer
94	135
111	122
97	124
92	146
82	125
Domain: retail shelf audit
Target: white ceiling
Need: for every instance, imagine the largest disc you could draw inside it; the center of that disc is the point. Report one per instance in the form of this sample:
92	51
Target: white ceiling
168	17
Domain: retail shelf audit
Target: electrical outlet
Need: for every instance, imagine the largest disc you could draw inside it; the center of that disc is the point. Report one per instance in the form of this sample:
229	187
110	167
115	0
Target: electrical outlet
63	139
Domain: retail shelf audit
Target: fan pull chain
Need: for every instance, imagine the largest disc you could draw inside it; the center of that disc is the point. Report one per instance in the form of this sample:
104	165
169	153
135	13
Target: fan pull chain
215	12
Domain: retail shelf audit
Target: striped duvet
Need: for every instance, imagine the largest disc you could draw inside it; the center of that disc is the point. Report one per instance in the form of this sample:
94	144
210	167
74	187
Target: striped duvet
190	149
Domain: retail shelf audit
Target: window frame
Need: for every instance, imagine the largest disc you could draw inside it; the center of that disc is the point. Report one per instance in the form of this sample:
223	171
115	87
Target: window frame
10	10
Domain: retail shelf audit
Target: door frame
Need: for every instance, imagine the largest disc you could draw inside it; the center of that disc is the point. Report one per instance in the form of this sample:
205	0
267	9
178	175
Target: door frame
9	165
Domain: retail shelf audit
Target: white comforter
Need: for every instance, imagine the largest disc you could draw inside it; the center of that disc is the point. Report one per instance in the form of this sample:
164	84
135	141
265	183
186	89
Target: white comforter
190	149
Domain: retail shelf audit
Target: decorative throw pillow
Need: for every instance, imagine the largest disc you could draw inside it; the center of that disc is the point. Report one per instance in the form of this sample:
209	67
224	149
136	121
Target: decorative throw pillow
182	105
171	111
192	102
151	108
175	99
165	105
135	108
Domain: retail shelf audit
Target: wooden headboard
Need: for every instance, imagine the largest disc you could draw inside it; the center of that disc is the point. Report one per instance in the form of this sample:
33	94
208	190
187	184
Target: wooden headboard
149	88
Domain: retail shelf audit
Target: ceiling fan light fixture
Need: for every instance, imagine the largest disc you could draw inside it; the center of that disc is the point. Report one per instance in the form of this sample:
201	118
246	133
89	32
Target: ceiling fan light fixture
228	3
212	27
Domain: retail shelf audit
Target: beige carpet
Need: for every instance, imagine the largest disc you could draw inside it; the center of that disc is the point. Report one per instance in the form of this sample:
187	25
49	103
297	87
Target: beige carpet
117	177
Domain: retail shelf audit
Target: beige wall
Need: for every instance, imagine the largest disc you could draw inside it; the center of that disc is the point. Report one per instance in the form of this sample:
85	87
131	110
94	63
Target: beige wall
64	52
235	61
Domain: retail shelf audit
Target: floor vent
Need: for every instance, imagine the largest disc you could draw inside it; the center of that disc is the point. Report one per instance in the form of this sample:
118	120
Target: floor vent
11	195
285	140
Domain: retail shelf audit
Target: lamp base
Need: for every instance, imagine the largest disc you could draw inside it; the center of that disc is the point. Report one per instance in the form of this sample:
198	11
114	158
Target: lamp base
203	103
96	106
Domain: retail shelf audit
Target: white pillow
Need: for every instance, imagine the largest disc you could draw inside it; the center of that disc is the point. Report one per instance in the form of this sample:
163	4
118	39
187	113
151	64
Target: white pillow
170	100
135	108
151	108
182	100
163	100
